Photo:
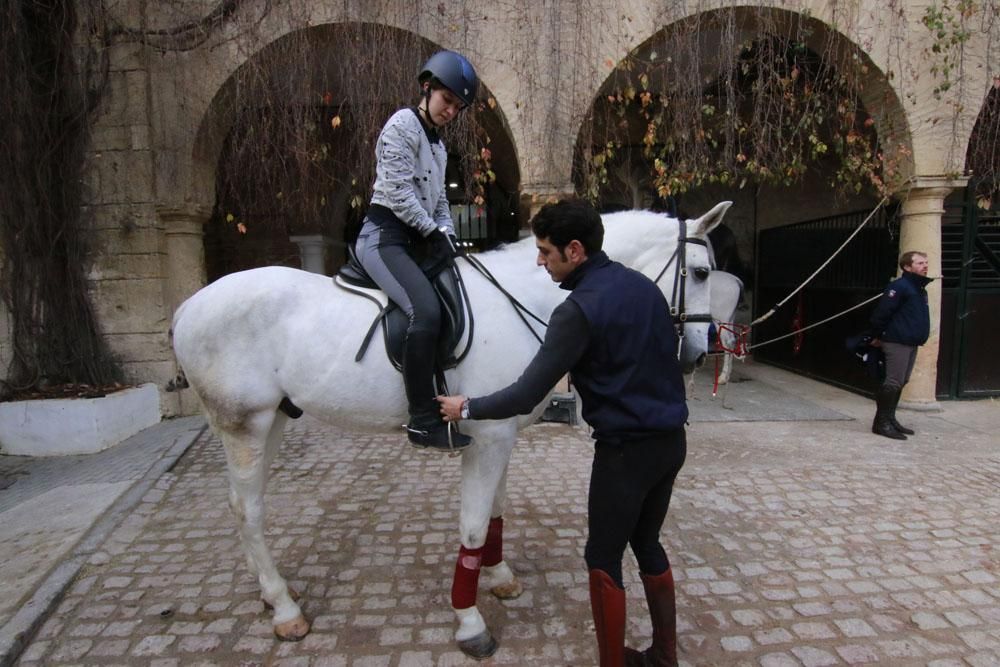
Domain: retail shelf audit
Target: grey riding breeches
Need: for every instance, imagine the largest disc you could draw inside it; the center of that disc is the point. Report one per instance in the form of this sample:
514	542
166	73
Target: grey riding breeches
899	361
385	253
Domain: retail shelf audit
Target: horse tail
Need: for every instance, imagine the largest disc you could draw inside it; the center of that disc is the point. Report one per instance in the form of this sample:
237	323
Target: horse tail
180	380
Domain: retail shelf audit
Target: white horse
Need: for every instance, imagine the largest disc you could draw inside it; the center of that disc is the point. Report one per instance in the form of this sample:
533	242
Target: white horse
725	290
252	338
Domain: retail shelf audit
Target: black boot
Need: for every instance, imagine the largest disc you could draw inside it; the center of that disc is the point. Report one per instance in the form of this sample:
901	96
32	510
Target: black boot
885	399
426	427
892	416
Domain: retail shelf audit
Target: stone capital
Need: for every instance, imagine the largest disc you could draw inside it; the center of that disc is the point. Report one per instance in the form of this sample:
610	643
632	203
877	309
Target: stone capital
183	220
925	194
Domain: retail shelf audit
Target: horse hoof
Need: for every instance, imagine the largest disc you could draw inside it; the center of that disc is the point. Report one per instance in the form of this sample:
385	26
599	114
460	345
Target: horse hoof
293	630
479	647
508	591
292	593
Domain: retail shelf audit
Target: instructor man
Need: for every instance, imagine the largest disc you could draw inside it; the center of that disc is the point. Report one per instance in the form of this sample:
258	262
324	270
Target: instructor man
615	337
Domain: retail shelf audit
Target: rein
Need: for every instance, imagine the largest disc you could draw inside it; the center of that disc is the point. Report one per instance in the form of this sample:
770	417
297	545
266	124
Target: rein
519	307
678	312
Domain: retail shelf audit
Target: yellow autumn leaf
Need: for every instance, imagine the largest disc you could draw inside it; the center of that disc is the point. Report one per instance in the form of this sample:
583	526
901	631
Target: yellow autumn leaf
230	217
335	122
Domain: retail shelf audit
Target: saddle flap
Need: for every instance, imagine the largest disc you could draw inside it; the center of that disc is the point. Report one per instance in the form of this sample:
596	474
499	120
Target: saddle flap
447	285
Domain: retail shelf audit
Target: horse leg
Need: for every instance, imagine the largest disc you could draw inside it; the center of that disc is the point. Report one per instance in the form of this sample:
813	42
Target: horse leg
729	341
495	574
249	452
727	367
483	468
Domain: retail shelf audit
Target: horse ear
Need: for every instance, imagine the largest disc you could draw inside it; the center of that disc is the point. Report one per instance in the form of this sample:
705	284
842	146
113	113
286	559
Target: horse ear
711	220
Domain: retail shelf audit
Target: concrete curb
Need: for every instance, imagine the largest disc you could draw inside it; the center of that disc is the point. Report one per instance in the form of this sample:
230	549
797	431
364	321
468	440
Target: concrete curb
18	632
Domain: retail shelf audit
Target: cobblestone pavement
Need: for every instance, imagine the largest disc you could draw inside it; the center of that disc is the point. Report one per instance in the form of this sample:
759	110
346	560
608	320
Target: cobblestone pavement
794	543
55	511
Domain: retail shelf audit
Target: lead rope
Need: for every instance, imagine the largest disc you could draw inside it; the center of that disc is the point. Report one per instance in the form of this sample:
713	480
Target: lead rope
741	348
832	317
822	266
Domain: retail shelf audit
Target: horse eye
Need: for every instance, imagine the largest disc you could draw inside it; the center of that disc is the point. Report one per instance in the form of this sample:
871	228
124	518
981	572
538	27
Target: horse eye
701	273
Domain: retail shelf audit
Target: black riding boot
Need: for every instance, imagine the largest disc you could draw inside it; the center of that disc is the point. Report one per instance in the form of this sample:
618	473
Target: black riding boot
885	400
426	427
892	416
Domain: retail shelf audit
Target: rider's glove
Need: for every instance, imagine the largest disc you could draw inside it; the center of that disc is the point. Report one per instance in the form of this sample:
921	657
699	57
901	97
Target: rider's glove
444	244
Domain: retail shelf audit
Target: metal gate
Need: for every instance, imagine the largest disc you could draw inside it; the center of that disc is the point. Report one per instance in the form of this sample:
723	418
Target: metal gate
968	366
787	256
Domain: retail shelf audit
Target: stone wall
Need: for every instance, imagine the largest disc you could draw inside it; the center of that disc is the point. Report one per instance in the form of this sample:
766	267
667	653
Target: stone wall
166	114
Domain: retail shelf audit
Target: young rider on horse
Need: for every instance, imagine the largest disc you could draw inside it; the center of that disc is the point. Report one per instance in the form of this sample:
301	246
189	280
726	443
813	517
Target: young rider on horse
615	335
409	209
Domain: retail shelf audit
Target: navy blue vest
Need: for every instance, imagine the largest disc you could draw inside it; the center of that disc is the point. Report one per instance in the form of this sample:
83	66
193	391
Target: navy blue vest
629	378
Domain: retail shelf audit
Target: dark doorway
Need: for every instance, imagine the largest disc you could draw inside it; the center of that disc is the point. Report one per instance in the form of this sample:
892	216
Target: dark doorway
787	256
968	365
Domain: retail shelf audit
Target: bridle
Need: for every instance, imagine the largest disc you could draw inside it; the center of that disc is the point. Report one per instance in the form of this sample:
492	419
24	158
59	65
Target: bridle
677	309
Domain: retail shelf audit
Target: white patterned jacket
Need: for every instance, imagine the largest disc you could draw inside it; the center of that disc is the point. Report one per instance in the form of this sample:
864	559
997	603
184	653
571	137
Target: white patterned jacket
410	174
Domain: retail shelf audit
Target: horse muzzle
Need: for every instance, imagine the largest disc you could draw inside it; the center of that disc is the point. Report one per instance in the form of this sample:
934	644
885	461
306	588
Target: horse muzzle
688	367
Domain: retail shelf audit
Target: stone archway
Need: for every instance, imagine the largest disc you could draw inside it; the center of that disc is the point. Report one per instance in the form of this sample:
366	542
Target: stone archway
313	101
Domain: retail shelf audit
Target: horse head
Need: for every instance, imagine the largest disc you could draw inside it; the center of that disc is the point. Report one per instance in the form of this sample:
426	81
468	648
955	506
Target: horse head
690	296
675	255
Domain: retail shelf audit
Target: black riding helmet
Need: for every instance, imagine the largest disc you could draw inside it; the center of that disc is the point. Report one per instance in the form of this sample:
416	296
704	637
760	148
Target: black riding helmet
454	72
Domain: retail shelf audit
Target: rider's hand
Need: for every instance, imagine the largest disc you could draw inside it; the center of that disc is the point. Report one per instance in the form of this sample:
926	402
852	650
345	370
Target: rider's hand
445	244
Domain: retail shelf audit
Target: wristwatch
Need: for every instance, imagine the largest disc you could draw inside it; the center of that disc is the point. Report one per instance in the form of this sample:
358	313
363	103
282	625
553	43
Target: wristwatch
465	409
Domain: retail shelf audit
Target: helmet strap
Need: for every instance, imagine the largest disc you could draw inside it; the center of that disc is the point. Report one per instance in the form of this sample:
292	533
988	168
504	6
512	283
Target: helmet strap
427	106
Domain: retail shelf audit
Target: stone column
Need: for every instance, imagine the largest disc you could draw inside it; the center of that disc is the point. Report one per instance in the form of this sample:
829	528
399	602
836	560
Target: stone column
920	229
184	230
313	251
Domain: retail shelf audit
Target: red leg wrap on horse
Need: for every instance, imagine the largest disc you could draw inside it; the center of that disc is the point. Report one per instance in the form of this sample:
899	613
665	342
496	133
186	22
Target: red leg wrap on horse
463	588
493	549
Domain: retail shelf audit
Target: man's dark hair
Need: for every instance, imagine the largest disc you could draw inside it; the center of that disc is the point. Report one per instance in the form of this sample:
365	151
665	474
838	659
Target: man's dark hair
906	259
569	219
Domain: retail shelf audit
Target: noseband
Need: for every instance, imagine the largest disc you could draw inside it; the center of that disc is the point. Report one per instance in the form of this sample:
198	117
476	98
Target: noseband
677	309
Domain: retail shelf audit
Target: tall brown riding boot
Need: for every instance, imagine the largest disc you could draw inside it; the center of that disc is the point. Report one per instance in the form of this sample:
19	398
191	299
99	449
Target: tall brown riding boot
607	602
663	613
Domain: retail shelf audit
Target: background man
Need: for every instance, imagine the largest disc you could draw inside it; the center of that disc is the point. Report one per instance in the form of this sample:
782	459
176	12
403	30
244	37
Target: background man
901	323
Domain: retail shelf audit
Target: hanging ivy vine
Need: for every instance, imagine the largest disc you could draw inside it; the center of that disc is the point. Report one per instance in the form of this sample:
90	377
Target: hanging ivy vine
48	91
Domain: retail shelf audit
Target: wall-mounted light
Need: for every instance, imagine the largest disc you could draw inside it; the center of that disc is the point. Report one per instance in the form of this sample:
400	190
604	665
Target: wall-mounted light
453	185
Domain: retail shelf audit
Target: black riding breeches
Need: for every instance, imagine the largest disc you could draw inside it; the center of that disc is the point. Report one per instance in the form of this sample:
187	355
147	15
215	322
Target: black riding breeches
630	488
